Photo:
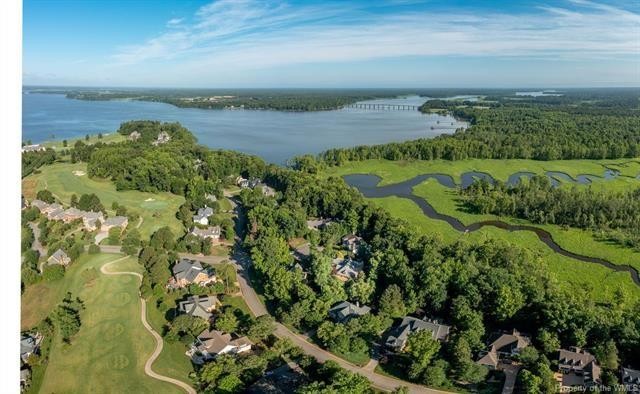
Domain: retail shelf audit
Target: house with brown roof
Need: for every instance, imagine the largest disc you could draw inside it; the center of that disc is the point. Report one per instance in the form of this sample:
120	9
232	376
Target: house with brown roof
59	257
577	368
187	271
504	346
211	343
398	336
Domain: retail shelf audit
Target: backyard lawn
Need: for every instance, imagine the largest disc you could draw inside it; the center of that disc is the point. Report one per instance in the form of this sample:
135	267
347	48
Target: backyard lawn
109	352
63	180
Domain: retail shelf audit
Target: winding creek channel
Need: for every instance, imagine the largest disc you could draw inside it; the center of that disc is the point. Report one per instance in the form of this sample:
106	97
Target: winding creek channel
367	184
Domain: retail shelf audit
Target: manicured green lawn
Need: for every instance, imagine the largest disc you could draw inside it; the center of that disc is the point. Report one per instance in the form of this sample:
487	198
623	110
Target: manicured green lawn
156	209
93	138
601	281
109	352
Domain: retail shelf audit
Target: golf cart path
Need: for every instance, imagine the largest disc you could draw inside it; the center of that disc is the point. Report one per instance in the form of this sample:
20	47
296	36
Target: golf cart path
156	336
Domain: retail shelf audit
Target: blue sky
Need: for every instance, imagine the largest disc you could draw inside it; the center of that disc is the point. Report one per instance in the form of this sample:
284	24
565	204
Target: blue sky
394	43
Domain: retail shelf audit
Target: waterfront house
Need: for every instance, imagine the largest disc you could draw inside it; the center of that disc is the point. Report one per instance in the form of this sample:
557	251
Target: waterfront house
397	338
33	148
163	137
242	182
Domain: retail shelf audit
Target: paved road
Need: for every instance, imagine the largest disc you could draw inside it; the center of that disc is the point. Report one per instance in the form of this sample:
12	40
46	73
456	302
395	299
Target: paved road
159	343
510	374
36	245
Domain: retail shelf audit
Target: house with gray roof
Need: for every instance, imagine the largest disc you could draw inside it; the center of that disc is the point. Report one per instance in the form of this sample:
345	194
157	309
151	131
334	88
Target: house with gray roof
59	257
33	148
242	182
397	338
351	242
211	343
163	137
71	214
211	232
345	310
91	219
202	216
41	205
55	211
200	306
187	271
115	221
578	368
630	378
266	190
345	269
504	346
29	344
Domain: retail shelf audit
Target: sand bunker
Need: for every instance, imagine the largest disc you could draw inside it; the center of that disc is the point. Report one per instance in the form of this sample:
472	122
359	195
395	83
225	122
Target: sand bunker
150	199
78	173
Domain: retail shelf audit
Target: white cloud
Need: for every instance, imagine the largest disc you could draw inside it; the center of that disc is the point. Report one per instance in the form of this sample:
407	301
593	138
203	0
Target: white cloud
250	34
174	22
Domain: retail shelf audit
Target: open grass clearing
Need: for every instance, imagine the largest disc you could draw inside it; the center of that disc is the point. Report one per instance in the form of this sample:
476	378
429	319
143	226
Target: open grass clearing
156	209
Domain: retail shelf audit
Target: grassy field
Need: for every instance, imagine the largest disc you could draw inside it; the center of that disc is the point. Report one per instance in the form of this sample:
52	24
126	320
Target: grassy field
93	138
156	209
570	273
109	352
397	171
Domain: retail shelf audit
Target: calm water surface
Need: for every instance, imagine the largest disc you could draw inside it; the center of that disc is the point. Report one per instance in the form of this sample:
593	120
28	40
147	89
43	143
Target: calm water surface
273	135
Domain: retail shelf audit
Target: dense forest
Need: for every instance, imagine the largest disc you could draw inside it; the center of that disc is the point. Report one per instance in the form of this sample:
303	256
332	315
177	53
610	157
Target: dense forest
540	202
600	125
175	166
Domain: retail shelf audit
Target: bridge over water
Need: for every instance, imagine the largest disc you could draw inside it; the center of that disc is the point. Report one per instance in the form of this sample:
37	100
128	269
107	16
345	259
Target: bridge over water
387	107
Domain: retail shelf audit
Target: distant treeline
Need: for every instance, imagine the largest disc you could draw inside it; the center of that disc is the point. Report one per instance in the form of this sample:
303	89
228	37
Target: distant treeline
602	125
280	100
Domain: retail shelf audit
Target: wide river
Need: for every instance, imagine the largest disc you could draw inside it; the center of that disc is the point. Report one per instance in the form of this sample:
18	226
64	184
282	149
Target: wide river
275	136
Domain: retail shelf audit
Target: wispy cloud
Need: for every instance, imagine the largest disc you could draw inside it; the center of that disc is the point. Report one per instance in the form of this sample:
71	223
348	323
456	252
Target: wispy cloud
174	22
248	33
